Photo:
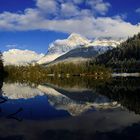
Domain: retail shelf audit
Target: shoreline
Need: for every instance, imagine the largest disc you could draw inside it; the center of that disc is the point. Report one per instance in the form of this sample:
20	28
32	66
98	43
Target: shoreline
126	74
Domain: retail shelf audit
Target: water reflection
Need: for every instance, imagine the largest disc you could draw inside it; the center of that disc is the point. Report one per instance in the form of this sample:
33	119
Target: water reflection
123	90
45	97
71	109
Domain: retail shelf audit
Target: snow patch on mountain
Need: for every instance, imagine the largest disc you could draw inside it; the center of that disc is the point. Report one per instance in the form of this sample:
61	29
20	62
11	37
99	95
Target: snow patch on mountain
72	42
105	43
20	57
48	58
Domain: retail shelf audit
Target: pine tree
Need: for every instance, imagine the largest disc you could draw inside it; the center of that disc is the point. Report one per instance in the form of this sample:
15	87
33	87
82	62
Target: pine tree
125	57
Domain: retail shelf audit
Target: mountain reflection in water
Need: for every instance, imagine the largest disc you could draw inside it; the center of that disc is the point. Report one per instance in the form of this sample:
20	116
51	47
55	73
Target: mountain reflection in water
71	108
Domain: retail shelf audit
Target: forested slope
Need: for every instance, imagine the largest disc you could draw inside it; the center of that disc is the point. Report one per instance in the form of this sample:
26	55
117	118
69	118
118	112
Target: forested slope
126	57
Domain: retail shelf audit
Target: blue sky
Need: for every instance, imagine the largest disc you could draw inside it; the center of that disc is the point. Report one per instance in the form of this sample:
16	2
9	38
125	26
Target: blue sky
34	24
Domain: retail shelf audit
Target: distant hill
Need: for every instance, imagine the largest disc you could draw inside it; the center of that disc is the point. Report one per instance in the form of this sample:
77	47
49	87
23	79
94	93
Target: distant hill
126	57
20	57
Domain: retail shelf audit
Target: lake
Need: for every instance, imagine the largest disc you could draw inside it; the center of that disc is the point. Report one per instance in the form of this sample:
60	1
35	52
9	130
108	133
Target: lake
70	109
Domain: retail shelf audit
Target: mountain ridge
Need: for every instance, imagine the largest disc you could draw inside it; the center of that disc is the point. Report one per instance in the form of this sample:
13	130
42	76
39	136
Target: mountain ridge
75	44
59	48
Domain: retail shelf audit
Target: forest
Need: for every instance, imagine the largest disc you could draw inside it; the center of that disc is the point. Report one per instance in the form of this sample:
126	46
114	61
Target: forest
124	58
84	69
38	74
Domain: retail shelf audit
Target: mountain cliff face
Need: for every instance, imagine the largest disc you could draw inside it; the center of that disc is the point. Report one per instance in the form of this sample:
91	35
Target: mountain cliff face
76	46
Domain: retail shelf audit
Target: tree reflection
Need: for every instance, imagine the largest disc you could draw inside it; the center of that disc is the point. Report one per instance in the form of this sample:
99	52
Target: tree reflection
13	115
123	90
126	91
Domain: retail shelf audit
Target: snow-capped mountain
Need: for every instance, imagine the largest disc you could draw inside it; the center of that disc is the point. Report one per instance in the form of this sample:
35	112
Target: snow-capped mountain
60	47
72	42
72	48
64	47
20	57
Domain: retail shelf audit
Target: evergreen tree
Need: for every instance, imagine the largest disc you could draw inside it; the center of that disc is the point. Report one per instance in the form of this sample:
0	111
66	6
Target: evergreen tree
126	57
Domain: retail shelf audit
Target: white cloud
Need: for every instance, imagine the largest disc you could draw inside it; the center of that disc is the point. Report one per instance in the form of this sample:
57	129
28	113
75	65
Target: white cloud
20	57
69	9
48	6
68	17
138	10
11	46
121	16
99	6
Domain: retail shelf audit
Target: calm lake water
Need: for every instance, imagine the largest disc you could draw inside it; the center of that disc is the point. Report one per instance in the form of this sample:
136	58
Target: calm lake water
71	109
